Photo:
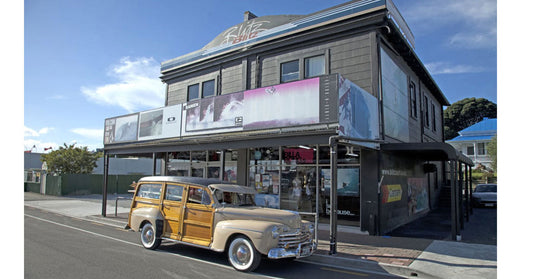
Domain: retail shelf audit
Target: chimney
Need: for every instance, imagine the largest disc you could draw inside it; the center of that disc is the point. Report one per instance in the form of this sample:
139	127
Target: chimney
248	15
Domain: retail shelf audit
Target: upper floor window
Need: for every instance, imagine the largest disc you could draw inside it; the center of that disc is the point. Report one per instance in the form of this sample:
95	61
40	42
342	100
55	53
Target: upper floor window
314	66
426	111
193	92
412	98
481	149
208	88
433	119
290	71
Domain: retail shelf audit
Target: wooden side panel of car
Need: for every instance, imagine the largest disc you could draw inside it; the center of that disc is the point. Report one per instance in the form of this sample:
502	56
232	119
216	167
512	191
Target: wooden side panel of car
197	221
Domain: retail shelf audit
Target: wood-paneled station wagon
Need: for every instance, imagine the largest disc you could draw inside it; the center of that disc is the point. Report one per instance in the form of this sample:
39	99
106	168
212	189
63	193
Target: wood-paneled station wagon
218	216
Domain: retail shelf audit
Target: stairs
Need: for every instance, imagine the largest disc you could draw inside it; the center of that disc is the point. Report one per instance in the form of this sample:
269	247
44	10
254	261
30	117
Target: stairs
445	200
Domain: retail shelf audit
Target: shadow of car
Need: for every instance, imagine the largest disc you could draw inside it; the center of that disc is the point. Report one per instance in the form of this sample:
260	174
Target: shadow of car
485	195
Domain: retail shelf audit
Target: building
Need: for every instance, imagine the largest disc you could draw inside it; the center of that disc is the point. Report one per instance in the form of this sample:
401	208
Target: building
473	141
293	104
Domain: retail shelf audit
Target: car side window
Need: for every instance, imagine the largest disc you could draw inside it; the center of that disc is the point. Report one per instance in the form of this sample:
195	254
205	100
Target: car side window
198	196
149	191
174	192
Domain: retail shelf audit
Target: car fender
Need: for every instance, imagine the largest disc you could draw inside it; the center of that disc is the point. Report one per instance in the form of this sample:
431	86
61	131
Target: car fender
150	214
259	232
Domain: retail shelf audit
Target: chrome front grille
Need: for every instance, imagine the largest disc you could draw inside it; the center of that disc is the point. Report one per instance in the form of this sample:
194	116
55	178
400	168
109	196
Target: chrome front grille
292	240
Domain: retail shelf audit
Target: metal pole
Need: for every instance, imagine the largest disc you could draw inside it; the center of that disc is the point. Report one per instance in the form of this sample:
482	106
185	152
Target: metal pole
317	193
104	190
461	205
453	172
333	199
467	195
470	183
154	164
222	164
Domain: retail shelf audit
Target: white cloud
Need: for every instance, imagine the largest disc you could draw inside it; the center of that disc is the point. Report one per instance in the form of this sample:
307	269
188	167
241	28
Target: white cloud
39	146
476	20
137	85
28	132
437	68
89	133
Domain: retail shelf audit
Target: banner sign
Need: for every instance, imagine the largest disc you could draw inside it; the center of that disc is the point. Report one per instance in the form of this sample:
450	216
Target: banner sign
160	123
391	193
121	129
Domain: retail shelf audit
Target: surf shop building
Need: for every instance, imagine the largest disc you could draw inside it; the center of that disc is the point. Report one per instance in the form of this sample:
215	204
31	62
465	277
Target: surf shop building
330	113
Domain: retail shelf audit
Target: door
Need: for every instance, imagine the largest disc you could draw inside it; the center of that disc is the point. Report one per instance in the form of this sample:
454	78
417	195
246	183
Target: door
172	210
198	216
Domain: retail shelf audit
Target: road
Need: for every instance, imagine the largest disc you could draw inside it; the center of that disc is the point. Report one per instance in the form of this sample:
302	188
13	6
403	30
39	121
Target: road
57	246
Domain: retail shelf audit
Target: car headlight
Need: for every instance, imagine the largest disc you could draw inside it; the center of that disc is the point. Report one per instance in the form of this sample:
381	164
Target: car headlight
275	231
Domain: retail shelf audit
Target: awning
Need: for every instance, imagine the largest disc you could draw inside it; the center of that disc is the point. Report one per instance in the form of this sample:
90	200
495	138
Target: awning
430	151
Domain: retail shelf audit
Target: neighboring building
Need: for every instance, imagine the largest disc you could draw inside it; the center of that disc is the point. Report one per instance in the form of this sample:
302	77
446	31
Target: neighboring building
473	141
292	104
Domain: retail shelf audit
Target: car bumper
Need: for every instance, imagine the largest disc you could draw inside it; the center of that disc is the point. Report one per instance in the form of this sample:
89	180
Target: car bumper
303	250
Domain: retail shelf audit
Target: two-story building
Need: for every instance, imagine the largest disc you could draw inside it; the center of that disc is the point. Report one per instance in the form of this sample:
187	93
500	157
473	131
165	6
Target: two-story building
331	113
473	141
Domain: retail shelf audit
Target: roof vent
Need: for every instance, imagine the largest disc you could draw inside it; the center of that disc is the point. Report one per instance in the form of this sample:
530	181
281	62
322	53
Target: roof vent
248	15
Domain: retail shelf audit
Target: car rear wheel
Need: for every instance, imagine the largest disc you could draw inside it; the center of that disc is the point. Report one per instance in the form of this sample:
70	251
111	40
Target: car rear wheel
148	237
242	254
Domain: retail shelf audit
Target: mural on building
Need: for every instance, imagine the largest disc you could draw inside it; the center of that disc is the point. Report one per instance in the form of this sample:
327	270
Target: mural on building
417	194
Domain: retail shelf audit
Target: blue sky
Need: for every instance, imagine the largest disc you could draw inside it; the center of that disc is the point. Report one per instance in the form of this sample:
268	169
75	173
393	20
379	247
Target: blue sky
85	61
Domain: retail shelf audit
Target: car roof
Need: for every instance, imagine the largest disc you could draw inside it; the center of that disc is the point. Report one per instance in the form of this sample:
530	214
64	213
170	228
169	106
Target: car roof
233	188
183	179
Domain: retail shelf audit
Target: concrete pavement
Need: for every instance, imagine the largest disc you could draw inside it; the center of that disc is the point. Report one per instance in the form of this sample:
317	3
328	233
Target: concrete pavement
404	256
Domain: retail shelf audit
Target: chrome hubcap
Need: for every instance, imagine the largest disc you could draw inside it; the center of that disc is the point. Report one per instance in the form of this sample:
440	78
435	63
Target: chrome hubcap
148	236
243	254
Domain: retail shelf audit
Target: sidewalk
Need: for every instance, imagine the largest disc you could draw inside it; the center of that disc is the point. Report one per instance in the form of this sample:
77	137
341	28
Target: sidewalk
403	256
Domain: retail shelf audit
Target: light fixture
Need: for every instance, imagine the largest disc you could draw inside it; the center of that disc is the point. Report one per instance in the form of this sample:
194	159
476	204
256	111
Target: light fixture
304	147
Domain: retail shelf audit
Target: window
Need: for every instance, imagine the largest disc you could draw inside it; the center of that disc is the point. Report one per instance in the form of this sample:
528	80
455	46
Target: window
481	149
469	150
149	191
290	71
412	98
193	92
208	88
199	196
315	66
174	193
426	111
433	115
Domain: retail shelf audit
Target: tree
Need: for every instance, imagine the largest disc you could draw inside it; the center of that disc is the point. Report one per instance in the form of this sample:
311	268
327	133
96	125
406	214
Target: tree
465	113
71	159
493	152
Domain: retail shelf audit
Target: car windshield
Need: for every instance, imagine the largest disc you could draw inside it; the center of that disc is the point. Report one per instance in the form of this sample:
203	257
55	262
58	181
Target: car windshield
235	199
485	188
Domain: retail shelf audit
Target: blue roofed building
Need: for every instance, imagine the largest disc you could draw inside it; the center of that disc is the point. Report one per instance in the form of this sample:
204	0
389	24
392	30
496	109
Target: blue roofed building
473	141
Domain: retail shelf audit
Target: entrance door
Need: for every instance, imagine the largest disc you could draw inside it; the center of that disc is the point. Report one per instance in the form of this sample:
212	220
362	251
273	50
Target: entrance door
173	210
198	217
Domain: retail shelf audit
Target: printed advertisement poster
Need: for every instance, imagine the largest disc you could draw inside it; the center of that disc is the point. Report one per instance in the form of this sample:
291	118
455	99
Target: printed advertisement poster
391	193
160	123
121	129
267	200
347	181
288	104
358	111
417	195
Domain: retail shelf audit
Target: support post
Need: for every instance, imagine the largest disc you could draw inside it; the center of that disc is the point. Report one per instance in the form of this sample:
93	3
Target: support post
333	199
104	190
154	164
470	183
461	200
222	164
453	180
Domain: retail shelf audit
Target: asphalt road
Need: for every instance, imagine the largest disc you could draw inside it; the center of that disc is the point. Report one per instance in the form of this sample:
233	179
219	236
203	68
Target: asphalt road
57	246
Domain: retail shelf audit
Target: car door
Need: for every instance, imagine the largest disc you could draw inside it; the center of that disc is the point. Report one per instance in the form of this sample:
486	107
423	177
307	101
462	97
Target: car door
173	210
198	216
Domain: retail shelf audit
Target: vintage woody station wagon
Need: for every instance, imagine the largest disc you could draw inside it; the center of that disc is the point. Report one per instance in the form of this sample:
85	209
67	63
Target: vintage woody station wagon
222	217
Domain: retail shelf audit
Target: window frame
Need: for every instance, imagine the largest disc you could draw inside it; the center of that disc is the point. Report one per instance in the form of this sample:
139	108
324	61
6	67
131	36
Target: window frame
189	92
413	112
433	117
305	59
281	71
214	88
426	111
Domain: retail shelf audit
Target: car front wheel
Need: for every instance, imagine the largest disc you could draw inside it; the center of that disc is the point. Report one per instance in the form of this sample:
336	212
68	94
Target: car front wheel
242	255
148	237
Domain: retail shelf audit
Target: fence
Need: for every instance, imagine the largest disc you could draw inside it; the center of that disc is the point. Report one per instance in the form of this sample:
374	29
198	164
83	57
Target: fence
83	184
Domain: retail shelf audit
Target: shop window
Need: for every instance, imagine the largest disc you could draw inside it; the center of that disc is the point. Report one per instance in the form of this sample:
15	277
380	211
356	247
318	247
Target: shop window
208	88
193	92
412	98
314	66
198	156
290	71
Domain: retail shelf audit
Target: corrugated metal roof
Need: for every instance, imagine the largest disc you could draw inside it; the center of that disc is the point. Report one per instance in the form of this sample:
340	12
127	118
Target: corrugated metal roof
486	125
